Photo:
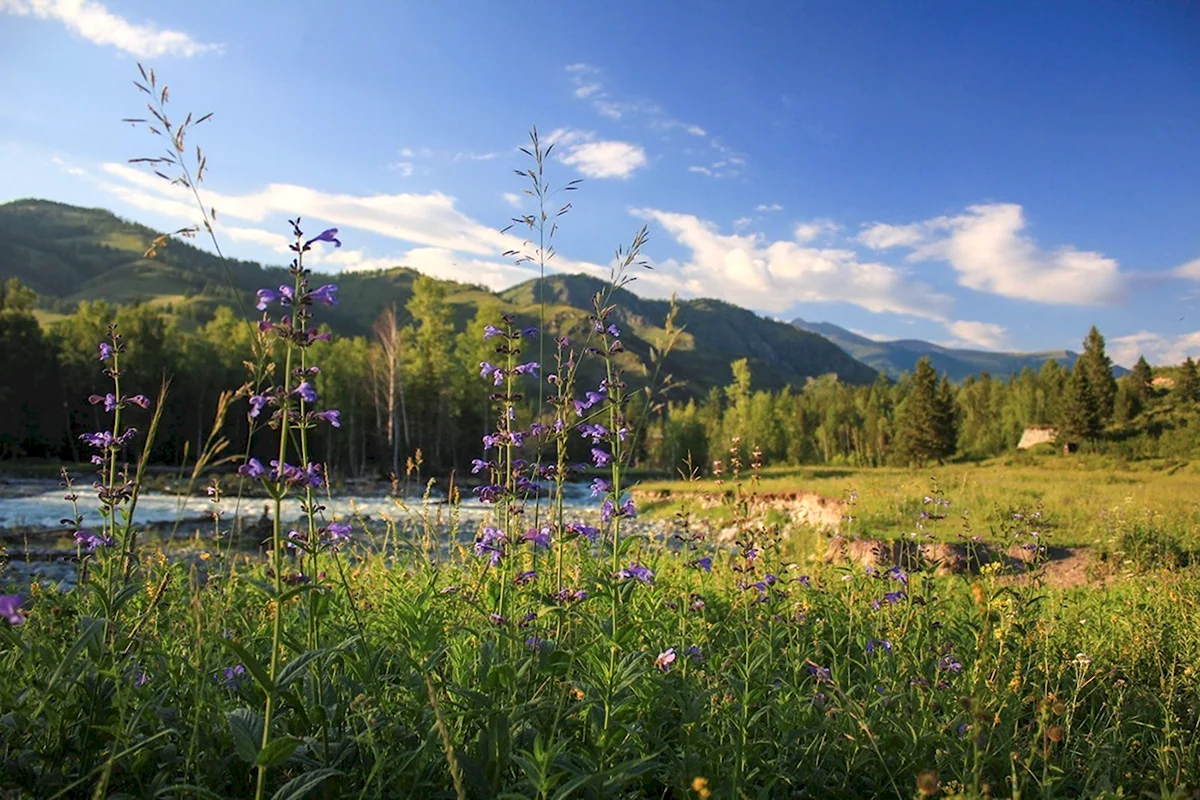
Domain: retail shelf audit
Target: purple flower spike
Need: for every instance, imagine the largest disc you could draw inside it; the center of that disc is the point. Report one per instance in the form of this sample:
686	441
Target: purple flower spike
329	235
265	298
90	541
601	457
586	531
702	563
539	537
491	332
332	416
252	469
527	369
628	509
326	295
257	401
306	392
600	486
106	351
525	578
10	609
637	572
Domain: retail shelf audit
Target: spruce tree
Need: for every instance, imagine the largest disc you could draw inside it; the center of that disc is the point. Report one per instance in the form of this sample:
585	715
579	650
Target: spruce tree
919	423
1140	379
1078	417
1101	384
1187	386
947	421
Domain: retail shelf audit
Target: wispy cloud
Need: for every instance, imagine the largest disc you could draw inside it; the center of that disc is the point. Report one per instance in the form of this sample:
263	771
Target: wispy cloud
1189	270
597	158
97	24
771	208
405	168
986	335
775	276
814	229
512	198
1157	348
989	249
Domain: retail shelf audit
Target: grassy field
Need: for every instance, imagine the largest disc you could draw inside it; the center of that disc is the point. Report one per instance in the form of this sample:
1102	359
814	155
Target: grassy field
1086	501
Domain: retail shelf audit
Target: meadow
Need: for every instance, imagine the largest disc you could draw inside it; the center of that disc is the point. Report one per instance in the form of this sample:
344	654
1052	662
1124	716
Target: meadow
679	639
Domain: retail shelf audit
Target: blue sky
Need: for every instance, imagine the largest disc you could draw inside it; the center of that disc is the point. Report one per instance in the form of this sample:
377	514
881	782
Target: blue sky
993	175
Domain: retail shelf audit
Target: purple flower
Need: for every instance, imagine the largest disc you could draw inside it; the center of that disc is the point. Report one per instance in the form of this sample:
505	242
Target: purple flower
879	644
486	369
600	486
601	457
586	531
233	675
804	581
822	674
539	537
109	400
326	295
897	574
106	351
949	664
338	532
491	331
306	392
613	331
637	572
257	401
491	544
490	493
252	469
139	400
702	563
265	298
606	510
530	333
90	541
140	679
527	577
695	653
10	609
332	416
527	369
628	509
479	465
329	235
534	643
665	659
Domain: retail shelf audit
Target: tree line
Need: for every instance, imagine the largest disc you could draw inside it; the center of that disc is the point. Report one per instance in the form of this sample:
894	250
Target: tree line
410	393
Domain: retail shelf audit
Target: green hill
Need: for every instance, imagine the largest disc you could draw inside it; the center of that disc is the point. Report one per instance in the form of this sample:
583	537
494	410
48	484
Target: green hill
67	254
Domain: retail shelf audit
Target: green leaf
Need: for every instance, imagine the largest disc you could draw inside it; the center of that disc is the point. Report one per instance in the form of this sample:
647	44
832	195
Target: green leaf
301	785
294	669
253	664
277	751
246	728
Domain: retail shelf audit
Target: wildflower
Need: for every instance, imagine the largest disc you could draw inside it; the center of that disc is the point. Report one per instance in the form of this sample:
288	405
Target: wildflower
525	578
491	331
479	465
586	531
1082	660
109	400
695	653
294	539
804	581
233	675
497	619
949	664
700	787
928	783
600	486
665	659
704	563
606	510
534	643
332	416
897	574
139	400
527	369
265	298
306	392
530	333
486	369
539	537
106	351
613	331
879	644
338	532
822	674
601	457
490	493
99	440
329	235
10	609
491	544
637	572
697	603
594	432
252	469
91	541
628	509
326	295
140	679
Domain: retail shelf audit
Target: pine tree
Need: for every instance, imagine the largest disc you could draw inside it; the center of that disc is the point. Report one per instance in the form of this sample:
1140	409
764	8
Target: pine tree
1101	384
920	425
1140	379
1078	417
947	420
1187	387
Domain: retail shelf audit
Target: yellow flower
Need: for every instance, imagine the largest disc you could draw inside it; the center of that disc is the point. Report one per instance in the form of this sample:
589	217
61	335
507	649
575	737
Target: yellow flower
700	787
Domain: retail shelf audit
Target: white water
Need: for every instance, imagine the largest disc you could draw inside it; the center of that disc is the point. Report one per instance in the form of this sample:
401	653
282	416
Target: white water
48	509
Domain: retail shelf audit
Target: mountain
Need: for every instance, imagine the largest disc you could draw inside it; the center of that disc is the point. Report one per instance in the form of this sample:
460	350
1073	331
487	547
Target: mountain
68	254
895	357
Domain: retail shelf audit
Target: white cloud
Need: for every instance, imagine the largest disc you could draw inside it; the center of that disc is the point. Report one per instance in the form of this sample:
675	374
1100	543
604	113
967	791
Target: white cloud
588	89
1189	270
467	155
768	208
67	168
275	241
986	335
512	198
881	236
806	232
97	24
428	220
990	251
597	159
696	130
405	168
775	276
1157	348
701	170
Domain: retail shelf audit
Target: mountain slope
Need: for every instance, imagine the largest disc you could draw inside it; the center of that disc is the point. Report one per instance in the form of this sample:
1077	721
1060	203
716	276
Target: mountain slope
895	357
67	254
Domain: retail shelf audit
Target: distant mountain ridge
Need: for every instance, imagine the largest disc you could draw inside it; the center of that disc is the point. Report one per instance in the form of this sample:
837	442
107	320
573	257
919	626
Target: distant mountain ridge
68	254
895	357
